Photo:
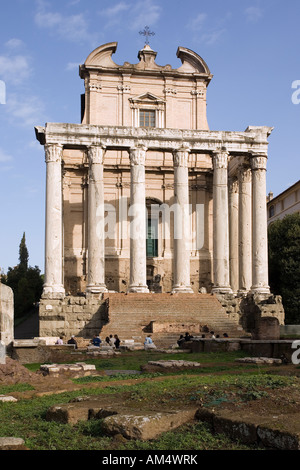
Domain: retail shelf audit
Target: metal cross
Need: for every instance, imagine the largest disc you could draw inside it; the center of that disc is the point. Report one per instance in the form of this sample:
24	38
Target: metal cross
147	33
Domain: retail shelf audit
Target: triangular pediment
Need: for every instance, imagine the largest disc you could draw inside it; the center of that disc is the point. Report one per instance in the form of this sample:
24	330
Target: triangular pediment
147	98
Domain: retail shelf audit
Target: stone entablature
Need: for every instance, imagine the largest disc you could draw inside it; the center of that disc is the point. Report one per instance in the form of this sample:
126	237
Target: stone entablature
251	142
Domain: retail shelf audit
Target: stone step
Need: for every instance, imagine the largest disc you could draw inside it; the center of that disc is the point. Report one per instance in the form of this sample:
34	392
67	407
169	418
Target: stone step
135	314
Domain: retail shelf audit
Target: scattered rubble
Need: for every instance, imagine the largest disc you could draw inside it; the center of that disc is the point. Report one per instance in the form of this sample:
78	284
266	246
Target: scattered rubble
170	364
7	398
12	443
79	369
259	360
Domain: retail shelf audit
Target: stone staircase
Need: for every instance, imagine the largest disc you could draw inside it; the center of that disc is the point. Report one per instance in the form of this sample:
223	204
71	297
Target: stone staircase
166	316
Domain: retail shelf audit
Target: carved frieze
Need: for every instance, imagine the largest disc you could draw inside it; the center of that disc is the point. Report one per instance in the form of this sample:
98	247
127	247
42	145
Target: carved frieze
170	91
124	88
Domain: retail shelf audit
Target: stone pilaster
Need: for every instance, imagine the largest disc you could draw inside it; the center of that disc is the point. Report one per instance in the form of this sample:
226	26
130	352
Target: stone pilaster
234	233
245	236
96	236
53	286
259	226
137	213
182	246
220	223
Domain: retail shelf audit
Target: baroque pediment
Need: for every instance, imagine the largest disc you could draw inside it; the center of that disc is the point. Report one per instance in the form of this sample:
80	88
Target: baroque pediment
147	98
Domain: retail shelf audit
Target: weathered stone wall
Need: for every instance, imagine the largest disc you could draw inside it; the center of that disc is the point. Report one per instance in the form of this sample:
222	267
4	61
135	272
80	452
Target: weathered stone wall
81	316
6	314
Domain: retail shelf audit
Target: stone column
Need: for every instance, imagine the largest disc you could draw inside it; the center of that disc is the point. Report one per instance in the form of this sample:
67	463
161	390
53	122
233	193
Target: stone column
182	248
245	236
220	223
259	226
137	212
53	285
234	233
96	239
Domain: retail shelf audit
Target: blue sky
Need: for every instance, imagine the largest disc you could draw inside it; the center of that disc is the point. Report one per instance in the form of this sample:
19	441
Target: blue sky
250	46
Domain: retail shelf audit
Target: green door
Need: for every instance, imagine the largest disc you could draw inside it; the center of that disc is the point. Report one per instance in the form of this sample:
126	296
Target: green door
152	238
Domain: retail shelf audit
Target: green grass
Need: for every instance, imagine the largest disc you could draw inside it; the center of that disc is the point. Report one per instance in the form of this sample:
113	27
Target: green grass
27	418
133	360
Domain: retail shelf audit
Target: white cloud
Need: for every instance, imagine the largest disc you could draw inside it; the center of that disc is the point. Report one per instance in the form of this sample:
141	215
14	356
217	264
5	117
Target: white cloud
206	30
139	15
253	14
14	69
14	43
212	37
72	66
4	157
112	12
24	110
144	13
73	28
196	23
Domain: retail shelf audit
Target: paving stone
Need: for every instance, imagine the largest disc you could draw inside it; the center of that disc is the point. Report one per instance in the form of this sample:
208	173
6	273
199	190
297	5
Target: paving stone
12	443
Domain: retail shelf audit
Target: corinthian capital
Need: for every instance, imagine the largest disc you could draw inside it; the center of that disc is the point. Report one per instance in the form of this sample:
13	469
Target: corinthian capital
53	152
137	155
180	157
244	173
220	159
96	154
259	162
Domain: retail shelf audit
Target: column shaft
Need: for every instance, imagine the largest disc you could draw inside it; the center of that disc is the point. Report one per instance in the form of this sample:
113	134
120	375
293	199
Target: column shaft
53	240
245	237
220	223
137	212
182	247
96	236
234	234
259	226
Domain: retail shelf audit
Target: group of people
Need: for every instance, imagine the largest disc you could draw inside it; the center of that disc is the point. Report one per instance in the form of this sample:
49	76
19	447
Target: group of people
188	337
183	339
72	340
110	340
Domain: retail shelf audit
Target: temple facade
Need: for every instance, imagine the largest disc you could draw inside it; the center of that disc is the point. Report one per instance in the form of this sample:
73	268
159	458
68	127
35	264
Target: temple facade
143	197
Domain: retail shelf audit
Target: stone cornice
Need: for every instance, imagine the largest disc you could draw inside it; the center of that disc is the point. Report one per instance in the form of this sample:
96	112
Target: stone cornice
253	141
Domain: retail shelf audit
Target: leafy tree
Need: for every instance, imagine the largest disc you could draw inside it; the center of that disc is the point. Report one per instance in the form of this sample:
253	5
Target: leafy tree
25	281
284	264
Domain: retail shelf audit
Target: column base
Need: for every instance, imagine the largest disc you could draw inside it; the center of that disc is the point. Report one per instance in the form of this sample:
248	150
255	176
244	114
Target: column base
53	291
243	292
221	290
182	290
138	289
96	289
260	290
